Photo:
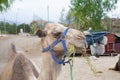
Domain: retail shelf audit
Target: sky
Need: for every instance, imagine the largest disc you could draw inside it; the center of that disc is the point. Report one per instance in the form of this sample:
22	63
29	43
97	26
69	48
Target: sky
25	11
28	10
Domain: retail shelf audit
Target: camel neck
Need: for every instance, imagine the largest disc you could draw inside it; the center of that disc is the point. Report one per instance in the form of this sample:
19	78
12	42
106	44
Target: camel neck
49	67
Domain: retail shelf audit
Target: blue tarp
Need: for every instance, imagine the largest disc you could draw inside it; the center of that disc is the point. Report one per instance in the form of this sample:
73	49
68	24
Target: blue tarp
95	37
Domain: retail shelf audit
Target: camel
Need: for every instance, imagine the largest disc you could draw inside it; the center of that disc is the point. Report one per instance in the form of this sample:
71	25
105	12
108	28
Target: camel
55	40
117	66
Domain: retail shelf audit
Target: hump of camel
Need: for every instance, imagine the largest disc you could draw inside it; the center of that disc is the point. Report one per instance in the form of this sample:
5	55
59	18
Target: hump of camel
22	63
20	67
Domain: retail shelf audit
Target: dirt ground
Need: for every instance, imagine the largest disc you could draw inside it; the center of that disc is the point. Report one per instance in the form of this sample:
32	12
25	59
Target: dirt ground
81	69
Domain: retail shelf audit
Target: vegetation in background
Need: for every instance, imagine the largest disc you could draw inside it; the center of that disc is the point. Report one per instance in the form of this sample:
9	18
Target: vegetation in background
5	4
34	27
26	28
37	24
62	17
89	13
7	28
108	23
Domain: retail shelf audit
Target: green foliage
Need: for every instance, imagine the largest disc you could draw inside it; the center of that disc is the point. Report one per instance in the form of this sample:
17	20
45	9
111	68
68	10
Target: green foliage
62	20
108	23
5	4
6	28
11	29
69	17
26	28
36	25
88	13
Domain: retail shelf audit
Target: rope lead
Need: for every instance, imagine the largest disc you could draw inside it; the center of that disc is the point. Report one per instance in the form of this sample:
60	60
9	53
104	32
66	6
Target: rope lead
71	69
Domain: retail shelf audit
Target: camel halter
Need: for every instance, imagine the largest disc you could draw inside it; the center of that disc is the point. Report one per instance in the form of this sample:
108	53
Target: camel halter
50	48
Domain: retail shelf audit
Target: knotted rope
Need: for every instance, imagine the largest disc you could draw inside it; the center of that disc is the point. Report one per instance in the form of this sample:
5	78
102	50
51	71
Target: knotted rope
71	53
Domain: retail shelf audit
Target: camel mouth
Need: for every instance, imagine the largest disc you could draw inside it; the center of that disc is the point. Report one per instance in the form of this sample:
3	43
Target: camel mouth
80	50
70	50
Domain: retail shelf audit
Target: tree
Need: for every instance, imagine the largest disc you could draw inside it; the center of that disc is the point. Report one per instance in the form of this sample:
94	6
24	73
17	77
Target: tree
66	20
107	23
4	4
26	28
62	20
89	13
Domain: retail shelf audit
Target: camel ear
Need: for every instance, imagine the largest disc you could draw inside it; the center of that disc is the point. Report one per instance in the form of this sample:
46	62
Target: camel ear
57	34
41	33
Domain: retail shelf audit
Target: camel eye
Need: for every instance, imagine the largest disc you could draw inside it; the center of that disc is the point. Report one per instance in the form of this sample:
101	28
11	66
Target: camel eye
57	34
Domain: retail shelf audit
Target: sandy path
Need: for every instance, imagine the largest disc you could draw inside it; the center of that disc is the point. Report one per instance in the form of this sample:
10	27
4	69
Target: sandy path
81	69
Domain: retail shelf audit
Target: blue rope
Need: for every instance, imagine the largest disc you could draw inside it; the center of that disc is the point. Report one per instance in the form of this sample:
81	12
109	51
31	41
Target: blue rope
65	32
52	45
55	59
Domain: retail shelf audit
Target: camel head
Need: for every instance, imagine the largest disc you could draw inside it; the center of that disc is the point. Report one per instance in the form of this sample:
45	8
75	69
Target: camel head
54	31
